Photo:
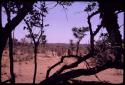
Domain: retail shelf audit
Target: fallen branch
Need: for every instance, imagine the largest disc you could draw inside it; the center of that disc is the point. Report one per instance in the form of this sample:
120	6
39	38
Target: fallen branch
75	64
54	79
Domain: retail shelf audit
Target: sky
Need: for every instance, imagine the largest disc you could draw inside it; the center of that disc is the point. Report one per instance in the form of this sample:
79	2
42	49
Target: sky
62	21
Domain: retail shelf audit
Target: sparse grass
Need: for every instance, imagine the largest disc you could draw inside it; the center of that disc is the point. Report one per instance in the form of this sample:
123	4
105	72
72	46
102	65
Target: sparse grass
23	55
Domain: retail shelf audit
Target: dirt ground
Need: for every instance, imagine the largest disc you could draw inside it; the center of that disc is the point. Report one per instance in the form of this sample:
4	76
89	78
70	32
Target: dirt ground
24	70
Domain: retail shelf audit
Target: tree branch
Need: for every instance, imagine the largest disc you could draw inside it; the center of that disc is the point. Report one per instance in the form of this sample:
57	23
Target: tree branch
97	29
94	13
54	79
30	31
75	64
54	5
90	25
20	15
61	61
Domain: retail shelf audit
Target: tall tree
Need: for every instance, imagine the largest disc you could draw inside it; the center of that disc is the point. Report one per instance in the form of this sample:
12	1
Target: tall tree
8	12
79	33
108	13
5	31
35	19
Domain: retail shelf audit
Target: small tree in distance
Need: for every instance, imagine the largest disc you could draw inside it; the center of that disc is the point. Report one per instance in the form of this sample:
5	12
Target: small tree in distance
79	34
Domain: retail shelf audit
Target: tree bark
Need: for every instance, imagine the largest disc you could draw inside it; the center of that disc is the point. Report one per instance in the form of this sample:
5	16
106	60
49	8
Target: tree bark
77	47
92	43
11	59
55	79
110	21
35	63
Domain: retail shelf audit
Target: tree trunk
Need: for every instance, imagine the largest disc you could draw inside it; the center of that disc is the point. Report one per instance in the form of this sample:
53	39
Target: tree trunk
11	59
77	47
55	79
3	41
110	21
0	65
35	63
92	43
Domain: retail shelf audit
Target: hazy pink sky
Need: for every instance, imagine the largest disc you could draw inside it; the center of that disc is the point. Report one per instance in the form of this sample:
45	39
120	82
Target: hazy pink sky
59	30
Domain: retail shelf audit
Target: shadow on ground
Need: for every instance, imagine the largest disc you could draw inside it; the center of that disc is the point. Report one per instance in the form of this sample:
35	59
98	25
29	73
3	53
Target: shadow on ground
77	82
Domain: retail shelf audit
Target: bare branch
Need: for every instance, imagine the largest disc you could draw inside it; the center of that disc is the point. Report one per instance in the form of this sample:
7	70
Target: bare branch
61	61
89	22
97	29
75	73
30	31
75	64
91	32
88	67
65	12
54	5
94	13
90	25
20	15
48	71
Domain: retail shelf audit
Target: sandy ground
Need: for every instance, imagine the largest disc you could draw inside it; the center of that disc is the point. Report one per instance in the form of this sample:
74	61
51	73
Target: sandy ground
24	71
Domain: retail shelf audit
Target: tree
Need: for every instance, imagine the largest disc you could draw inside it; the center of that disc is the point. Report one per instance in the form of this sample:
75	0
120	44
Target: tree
79	33
109	20
35	19
10	25
8	11
88	9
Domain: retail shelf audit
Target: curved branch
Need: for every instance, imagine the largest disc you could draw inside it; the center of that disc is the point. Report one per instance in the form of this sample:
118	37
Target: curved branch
20	15
48	71
75	64
58	63
54	5
90	27
92	34
30	31
75	73
97	29
94	13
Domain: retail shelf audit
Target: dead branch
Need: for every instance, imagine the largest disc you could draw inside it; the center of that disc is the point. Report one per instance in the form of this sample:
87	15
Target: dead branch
54	79
75	64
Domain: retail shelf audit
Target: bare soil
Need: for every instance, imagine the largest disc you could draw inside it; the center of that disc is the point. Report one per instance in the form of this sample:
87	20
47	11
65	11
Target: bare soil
24	70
